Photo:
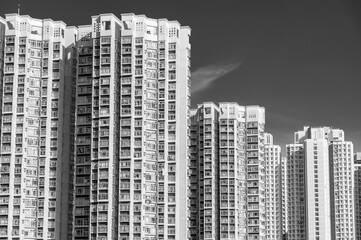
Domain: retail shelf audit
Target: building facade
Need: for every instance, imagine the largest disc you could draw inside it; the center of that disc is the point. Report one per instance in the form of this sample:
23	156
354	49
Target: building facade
36	150
256	175
357	181
2	48
133	97
320	196
228	166
232	170
273	189
284	196
295	192
94	135
205	172
97	130
343	195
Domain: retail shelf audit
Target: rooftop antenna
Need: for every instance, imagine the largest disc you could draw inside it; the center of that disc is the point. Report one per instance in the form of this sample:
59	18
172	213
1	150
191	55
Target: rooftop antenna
19	8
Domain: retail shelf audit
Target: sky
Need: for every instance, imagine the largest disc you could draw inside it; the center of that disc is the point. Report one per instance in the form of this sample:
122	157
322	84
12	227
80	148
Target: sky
301	60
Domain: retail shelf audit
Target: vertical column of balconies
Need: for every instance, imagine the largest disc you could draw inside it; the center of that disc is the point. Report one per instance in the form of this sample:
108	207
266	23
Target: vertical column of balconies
272	190
97	173
44	98
83	140
343	193
105	150
147	67
277	188
201	180
126	168
66	106
51	133
210	169
228	178
171	128
29	214
193	172
162	140
29	81
241	160
357	197
255	180
2	54
232	196
295	192
283	192
7	226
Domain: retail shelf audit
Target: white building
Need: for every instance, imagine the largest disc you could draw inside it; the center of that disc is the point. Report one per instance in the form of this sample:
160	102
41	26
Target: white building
322	208
357	181
133	99
256	217
205	211
155	101
36	138
284	196
228	168
273	189
232	169
97	130
295	192
94	140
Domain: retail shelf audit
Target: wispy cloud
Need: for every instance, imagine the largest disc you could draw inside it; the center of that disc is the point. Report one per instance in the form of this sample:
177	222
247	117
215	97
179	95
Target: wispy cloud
204	76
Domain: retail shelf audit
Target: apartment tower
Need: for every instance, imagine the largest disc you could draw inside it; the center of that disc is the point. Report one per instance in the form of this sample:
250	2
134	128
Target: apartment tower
284	196
205	172
233	172
357	188
256	175
155	102
294	192
97	132
228	169
94	135
320	185
36	152
133	96
273	189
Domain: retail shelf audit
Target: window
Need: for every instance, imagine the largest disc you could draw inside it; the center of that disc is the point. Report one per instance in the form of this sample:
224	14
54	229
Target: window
106	25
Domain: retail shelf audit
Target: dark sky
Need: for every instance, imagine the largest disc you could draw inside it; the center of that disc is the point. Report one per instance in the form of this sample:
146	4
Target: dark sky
301	60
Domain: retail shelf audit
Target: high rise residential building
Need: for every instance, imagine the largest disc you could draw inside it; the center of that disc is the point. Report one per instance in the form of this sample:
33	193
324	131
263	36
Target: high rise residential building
36	152
97	130
317	189
155	98
273	189
205	210
342	190
283	175
133	97
228	170
232	170
295	192
94	136
357	181
320	185
256	175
